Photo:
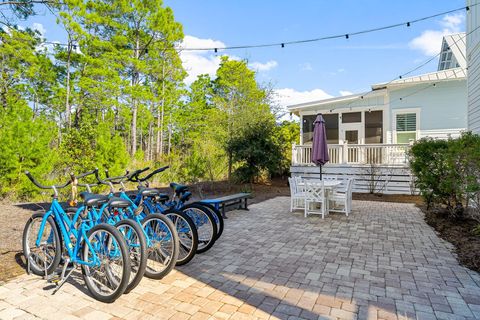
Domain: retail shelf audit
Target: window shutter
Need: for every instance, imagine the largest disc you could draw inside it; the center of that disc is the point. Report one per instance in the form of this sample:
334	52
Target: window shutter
407	122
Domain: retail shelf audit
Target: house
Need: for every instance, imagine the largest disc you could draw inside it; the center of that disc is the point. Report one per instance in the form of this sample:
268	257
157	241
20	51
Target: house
473	58
370	133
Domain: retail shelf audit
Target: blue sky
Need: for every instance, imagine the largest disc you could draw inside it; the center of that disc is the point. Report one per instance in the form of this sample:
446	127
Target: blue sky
310	71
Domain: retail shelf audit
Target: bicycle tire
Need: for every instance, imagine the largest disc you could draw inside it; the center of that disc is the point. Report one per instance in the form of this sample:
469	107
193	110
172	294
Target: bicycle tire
120	247
218	217
154	251
137	251
187	235
200	215
36	267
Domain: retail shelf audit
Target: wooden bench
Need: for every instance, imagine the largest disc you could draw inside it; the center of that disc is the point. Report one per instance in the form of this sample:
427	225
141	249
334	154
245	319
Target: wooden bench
239	199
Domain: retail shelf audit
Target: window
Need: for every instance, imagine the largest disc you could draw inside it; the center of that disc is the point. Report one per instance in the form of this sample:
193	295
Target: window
351	117
406	127
307	128
331	128
374	127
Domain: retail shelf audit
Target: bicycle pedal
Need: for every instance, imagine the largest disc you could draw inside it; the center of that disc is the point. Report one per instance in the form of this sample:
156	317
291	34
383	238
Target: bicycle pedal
55	279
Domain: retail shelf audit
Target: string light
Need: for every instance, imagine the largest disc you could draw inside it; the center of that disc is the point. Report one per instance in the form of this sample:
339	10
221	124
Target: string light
416	68
331	37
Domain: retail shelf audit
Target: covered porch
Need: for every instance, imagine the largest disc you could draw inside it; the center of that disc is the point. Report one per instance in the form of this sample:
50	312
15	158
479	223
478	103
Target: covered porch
357	154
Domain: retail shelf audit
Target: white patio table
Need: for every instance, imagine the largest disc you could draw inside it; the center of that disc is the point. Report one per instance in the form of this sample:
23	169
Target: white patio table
329	185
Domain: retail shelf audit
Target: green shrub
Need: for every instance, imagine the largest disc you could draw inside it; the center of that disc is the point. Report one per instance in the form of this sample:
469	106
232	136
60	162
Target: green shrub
447	171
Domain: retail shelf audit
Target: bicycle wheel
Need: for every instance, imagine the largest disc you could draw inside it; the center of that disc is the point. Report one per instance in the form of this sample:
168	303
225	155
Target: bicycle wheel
187	235
108	270
205	223
218	217
162	252
46	255
137	245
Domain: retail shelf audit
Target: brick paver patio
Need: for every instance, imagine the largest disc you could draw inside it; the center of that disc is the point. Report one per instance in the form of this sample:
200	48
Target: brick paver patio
382	262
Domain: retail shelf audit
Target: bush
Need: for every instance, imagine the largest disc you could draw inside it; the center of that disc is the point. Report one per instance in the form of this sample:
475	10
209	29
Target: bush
447	171
255	150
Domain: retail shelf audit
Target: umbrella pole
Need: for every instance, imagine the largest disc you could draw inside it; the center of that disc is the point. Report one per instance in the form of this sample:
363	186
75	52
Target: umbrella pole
320	172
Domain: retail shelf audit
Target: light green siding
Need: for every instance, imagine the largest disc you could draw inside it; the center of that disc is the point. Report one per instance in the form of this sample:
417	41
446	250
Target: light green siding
441	107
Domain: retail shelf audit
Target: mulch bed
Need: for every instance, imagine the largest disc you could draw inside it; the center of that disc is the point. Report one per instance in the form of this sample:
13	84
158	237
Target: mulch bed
459	232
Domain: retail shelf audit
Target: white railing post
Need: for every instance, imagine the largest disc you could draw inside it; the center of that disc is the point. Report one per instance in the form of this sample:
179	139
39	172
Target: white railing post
294	154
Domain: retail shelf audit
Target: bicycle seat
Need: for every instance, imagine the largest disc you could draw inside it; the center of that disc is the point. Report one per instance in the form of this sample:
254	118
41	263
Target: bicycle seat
117	202
178	188
93	200
149	192
162	197
185	196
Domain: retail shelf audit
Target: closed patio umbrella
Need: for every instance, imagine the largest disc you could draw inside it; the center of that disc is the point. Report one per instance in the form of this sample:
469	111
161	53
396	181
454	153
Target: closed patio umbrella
319	144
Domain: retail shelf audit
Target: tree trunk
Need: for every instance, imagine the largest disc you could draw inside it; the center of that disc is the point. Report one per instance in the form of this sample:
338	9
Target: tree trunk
68	110
160	116
229	177
169	133
135	77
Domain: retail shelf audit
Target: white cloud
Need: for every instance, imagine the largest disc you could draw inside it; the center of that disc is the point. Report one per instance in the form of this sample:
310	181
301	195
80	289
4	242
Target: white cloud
199	62
258	66
206	61
429	42
287	96
306	66
345	93
40	28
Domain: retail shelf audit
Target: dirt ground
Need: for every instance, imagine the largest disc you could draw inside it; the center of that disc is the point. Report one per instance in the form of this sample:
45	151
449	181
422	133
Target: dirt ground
459	232
13	217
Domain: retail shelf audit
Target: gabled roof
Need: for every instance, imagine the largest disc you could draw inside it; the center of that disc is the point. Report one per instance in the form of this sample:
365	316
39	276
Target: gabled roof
456	44
448	74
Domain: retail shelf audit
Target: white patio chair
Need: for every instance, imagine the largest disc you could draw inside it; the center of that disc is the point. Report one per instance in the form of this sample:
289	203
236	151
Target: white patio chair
341	200
314	197
297	197
299	183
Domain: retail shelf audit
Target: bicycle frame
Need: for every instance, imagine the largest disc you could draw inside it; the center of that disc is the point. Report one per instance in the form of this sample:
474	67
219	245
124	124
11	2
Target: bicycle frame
63	221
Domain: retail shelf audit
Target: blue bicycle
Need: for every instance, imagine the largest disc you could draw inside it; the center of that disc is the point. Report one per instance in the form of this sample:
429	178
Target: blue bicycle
115	211
162	238
100	250
207	223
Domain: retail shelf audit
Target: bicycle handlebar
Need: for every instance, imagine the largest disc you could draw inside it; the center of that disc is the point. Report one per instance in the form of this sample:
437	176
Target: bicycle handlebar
83	175
41	186
134	175
111	180
152	174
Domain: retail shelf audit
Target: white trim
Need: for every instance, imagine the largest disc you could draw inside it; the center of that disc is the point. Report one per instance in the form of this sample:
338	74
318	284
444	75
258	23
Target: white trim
343	110
301	129
395	112
321	103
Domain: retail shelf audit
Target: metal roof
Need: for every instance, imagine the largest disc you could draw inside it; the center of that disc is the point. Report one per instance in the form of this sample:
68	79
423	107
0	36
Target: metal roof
448	74
457	43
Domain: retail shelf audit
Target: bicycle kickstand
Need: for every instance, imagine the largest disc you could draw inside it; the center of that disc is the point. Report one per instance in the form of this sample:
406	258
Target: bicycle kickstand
63	278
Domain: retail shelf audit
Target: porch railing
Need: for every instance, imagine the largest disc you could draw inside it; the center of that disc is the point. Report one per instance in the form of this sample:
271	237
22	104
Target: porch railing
392	154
